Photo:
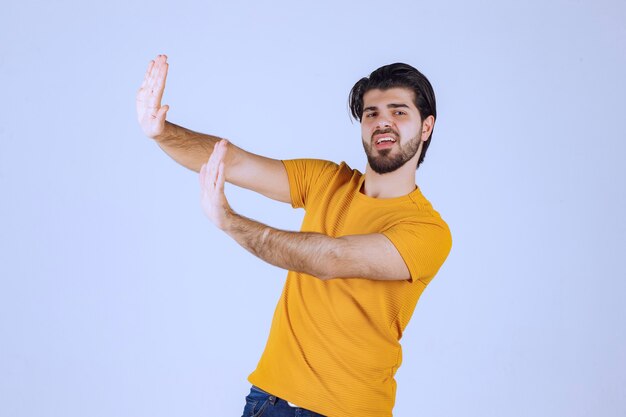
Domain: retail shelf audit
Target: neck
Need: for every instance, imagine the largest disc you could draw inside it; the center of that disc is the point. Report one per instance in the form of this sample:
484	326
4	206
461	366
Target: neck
390	185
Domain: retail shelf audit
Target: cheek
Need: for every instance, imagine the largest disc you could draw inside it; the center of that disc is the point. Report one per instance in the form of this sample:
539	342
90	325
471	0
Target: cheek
365	130
409	133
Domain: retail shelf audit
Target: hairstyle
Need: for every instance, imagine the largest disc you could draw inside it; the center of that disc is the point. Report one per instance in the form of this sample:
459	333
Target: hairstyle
392	76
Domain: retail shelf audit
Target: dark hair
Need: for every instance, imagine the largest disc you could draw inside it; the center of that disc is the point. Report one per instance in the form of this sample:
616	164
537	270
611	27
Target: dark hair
392	76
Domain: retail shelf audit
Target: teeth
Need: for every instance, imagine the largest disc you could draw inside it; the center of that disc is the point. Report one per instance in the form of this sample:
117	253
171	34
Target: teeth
381	140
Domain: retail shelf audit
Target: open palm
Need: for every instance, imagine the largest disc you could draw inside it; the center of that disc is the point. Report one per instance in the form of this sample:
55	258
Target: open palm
150	113
212	180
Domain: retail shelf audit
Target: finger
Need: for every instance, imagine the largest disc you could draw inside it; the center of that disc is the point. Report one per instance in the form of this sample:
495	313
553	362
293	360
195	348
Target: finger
147	75
158	63
208	180
219	184
220	150
159	86
153	69
153	85
213	159
211	170
148	86
201	175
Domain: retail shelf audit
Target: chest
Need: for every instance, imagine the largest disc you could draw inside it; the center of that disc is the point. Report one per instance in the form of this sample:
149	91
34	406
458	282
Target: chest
340	211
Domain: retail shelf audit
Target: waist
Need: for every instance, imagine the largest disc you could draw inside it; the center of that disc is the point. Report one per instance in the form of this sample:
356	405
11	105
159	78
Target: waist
254	387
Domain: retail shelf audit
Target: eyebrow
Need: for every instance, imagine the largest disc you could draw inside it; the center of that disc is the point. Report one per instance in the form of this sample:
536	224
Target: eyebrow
389	106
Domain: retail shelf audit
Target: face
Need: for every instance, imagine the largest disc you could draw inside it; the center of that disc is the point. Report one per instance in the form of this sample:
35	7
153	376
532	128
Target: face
391	128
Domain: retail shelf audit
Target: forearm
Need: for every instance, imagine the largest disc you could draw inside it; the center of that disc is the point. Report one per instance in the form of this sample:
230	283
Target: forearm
188	148
307	252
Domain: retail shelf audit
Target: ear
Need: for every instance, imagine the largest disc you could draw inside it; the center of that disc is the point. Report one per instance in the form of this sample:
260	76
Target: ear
427	127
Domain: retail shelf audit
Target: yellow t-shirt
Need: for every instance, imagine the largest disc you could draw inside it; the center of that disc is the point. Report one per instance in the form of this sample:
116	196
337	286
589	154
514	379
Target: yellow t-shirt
333	347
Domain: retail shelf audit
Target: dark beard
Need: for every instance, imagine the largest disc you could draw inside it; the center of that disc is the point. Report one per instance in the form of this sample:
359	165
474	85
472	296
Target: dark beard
383	163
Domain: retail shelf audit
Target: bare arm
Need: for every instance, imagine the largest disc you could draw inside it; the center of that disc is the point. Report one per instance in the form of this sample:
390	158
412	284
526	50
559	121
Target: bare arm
191	149
370	256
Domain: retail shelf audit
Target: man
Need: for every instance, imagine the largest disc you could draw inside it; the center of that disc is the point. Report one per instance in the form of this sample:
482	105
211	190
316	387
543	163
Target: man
369	245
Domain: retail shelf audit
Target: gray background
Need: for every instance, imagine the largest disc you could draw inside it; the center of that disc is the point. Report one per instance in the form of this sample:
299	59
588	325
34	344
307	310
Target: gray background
119	298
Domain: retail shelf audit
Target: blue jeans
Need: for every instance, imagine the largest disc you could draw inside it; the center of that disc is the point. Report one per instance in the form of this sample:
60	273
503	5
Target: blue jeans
260	403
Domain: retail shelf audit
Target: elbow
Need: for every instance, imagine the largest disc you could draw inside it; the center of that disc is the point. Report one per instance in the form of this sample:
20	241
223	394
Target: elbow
322	270
324	274
329	265
322	277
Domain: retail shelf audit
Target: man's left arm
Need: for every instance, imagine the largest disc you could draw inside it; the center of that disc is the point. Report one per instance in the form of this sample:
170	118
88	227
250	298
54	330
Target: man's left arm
370	256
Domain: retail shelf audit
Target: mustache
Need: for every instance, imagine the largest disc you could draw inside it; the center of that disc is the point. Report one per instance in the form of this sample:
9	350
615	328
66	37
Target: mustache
385	131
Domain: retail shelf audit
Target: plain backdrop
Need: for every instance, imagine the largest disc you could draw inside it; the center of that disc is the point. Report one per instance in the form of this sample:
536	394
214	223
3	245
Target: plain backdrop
119	298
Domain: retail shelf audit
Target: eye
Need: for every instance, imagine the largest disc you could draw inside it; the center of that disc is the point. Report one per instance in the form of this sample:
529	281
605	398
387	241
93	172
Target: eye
399	112
370	115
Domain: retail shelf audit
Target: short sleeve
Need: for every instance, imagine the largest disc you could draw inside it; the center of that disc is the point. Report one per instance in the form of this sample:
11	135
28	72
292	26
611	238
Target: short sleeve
424	245
305	178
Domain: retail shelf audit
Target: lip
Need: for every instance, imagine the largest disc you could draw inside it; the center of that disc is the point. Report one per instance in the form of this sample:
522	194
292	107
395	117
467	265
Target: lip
384	133
384	145
376	138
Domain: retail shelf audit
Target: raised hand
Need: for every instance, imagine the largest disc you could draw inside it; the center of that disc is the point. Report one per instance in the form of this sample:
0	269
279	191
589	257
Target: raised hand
212	179
150	113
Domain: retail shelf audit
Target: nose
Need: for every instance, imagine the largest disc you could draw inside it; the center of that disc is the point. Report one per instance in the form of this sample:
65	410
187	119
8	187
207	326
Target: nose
383	122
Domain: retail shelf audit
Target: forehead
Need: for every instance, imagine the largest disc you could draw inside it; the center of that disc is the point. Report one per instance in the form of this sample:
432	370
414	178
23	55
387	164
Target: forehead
396	95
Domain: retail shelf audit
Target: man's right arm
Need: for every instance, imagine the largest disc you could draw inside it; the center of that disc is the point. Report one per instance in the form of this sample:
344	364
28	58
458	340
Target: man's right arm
191	149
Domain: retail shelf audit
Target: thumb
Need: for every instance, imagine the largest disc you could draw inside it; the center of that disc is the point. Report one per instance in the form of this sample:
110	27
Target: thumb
162	112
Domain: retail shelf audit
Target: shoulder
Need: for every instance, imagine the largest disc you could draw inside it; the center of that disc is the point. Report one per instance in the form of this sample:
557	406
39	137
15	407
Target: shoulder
315	170
310	178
